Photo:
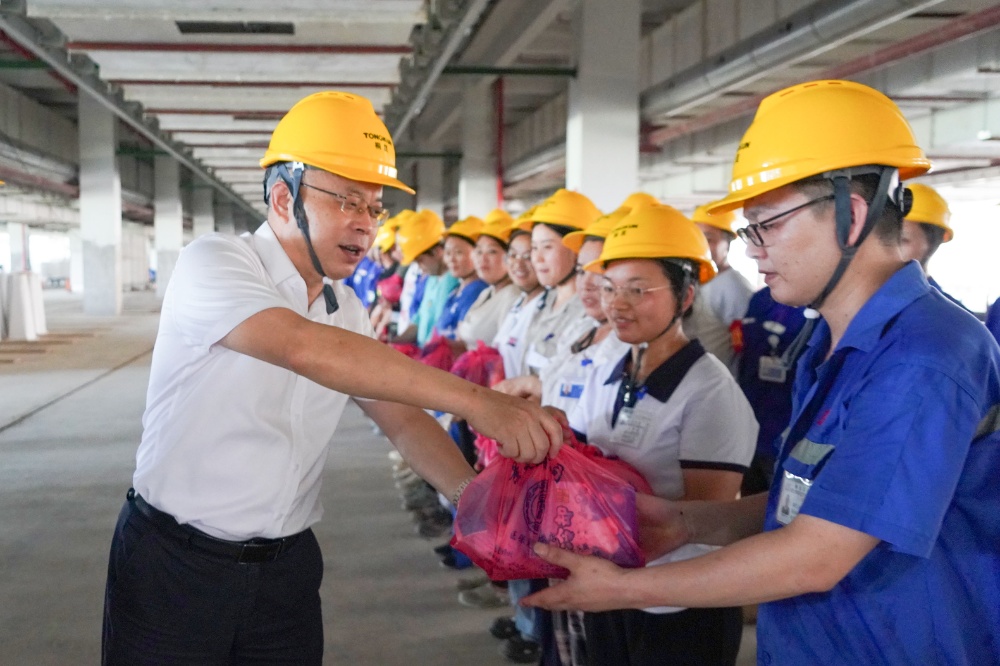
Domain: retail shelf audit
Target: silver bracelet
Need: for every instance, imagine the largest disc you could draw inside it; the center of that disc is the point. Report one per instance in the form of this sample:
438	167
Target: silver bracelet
457	495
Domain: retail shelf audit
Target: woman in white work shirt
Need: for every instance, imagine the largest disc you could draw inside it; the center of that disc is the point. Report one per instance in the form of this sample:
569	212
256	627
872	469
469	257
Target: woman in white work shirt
509	340
482	321
671	411
555	264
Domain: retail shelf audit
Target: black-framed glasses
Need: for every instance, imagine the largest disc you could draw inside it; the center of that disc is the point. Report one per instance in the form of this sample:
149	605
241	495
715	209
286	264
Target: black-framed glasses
352	203
752	232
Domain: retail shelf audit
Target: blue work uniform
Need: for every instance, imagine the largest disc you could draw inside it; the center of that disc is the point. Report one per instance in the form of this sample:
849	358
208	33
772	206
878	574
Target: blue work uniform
456	306
932	282
993	319
364	278
768	328
895	435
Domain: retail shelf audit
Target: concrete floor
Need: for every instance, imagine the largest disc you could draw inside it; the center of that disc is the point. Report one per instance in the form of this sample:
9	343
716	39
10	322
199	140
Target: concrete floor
70	421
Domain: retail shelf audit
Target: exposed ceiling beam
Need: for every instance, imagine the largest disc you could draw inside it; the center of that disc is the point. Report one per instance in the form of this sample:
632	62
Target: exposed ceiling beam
21	31
252	84
263	49
954	30
406	12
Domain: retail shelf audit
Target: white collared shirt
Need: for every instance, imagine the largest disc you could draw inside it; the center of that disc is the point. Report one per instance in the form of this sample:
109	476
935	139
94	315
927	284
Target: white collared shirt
233	445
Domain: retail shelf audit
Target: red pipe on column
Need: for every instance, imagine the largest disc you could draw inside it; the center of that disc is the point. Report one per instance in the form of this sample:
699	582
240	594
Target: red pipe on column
498	115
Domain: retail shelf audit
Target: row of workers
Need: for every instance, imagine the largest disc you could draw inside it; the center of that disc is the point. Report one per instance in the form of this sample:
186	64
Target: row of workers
877	541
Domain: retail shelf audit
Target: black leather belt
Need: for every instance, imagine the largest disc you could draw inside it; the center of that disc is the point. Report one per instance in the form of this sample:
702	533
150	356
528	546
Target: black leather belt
253	551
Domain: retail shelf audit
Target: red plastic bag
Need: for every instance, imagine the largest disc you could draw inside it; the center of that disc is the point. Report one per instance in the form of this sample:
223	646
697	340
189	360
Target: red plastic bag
437	353
570	501
482	365
408	348
390	289
487	450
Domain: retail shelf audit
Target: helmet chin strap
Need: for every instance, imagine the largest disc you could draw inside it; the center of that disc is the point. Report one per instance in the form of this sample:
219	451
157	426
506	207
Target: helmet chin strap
889	190
294	182
569	276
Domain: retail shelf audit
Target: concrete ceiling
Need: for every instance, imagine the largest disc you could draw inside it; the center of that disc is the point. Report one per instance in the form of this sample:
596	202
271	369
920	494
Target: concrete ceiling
210	78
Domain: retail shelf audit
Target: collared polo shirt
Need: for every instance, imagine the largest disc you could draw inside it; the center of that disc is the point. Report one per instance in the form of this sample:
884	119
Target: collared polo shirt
458	303
696	420
509	340
437	289
482	321
542	337
232	445
895	435
563	378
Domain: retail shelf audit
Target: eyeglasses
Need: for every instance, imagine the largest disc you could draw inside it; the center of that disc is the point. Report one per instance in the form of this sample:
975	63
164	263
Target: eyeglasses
752	233
631	295
514	256
352	203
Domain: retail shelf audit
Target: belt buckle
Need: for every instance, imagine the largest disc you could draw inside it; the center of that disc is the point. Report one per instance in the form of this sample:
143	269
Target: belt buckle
255	553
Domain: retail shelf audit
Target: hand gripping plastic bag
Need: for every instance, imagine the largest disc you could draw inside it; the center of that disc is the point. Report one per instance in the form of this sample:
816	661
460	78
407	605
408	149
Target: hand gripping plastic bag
482	365
571	501
437	353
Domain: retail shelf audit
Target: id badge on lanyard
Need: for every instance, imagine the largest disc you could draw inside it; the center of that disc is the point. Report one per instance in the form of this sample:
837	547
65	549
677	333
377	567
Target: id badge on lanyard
631	426
793	493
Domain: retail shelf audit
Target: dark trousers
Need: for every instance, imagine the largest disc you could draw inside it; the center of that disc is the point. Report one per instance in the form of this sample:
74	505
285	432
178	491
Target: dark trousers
168	602
692	637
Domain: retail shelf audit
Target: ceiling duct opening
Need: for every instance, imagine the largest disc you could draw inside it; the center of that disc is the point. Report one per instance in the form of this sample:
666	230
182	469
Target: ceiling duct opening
235	28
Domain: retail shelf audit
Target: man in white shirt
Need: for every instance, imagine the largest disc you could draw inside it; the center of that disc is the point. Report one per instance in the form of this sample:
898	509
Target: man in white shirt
259	348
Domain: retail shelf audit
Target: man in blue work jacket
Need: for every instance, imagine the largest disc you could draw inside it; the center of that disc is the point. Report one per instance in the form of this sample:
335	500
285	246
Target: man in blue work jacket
879	541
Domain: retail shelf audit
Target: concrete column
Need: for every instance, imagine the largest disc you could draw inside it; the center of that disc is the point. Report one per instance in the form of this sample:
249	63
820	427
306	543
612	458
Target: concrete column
168	219
75	261
100	210
430	186
203	212
224	219
477	184
20	258
602	128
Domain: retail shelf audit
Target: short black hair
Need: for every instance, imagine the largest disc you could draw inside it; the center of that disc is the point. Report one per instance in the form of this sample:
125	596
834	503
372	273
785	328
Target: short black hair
680	273
888	228
934	235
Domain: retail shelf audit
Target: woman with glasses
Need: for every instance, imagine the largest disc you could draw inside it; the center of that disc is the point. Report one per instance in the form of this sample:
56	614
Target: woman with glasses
674	413
482	320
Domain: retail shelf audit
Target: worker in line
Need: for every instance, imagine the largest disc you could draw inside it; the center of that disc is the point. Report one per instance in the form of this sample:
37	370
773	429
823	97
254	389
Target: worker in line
722	302
260	346
879	540
925	228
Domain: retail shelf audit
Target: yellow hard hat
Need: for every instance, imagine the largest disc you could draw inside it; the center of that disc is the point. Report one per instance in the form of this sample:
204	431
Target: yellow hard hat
498	225
337	132
565	209
811	128
723	221
498	214
600	228
422	231
397	220
657	231
637	199
385	238
929	207
469	229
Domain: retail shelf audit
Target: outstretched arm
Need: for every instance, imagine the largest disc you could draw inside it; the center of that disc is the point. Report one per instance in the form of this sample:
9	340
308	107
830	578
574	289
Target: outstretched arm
357	365
809	555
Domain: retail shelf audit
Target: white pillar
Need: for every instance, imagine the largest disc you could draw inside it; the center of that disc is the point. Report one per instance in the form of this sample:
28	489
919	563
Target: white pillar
477	184
168	219
20	258
224	214
76	261
602	128
203	213
100	210
430	186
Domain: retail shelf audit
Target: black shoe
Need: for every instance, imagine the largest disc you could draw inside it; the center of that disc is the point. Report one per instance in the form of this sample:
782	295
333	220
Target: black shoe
442	550
520	651
503	628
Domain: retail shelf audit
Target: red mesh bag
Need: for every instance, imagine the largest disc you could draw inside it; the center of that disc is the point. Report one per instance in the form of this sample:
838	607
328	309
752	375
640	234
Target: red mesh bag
408	348
482	365
437	353
572	501
390	289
